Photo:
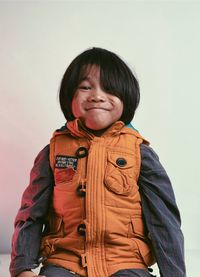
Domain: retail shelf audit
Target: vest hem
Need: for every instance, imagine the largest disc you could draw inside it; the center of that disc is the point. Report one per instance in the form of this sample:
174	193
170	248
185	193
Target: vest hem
69	265
122	266
73	266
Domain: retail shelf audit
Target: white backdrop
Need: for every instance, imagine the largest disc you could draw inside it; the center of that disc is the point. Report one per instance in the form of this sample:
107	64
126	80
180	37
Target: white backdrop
159	40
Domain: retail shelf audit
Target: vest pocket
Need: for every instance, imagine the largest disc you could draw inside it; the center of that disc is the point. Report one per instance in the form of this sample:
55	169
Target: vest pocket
145	252
120	173
138	234
53	231
137	226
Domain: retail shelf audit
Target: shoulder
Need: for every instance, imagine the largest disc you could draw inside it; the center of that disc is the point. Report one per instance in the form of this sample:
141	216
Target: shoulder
147	152
149	159
61	129
41	166
43	154
42	157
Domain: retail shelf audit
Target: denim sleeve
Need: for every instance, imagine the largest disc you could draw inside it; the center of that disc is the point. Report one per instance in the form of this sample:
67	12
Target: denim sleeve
161	215
29	219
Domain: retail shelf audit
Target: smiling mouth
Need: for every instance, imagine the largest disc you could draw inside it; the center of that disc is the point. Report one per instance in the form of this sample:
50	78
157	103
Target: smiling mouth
96	108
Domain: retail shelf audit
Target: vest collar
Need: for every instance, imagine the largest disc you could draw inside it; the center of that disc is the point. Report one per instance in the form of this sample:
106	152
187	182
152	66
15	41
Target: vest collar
77	129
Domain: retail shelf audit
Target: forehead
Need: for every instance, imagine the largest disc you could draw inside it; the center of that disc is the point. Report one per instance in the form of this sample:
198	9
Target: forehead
90	72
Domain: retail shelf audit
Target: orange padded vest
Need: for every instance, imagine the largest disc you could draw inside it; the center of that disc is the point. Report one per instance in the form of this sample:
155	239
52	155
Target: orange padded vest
95	225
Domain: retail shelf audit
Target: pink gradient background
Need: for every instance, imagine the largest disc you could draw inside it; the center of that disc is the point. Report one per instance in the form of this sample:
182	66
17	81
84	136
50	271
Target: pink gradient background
159	40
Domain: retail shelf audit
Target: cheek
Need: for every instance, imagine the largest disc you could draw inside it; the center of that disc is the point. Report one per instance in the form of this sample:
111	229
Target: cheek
75	108
120	109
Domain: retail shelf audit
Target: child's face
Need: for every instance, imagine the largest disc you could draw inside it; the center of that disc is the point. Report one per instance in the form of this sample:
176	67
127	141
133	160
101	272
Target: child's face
95	108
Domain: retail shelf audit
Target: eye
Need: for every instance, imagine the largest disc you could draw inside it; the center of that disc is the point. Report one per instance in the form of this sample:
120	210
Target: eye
85	87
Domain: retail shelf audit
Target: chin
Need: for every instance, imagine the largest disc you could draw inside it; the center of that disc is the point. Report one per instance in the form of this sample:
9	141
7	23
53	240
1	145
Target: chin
95	128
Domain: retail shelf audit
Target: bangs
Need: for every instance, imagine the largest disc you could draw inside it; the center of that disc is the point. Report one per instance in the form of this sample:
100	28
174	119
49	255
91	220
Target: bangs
113	79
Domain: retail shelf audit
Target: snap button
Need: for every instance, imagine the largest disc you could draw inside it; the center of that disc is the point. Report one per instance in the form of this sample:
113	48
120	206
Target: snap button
81	190
81	229
121	162
81	152
83	260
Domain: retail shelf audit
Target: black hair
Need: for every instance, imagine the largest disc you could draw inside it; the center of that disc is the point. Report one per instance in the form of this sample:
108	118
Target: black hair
116	78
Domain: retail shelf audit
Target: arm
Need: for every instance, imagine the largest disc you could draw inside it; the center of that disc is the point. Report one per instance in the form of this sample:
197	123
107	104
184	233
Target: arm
29	220
161	215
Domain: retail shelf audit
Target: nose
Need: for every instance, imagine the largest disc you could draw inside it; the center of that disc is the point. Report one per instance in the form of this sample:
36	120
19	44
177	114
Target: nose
97	95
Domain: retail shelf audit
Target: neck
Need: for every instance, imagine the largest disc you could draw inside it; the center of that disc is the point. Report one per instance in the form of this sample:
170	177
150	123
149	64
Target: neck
80	130
97	133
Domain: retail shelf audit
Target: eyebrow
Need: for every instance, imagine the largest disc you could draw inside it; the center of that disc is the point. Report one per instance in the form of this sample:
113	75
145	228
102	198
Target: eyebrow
86	78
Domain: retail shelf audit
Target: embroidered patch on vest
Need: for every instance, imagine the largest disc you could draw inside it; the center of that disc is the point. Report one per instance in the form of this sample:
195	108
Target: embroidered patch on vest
66	162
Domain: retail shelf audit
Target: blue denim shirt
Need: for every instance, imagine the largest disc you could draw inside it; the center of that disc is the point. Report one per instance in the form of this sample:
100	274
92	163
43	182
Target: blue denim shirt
161	215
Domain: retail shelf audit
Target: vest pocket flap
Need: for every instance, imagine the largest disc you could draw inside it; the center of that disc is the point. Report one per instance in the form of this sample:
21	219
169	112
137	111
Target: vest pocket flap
64	175
58	222
53	225
138	226
120	173
121	160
